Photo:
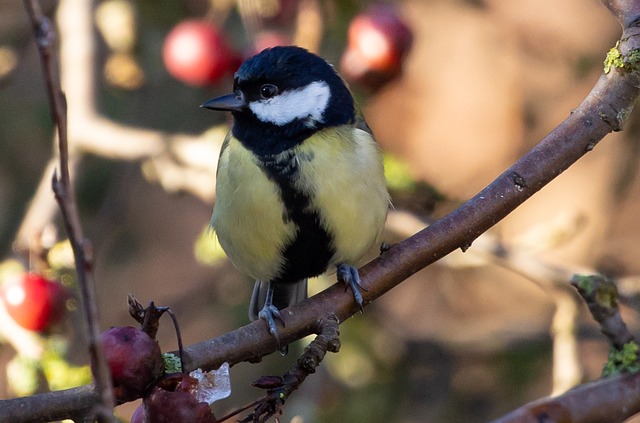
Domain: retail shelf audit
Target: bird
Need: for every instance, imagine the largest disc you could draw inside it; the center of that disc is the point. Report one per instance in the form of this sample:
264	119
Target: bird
300	184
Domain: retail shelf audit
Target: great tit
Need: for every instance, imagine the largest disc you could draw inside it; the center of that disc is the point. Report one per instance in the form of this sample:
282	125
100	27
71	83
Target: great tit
300	181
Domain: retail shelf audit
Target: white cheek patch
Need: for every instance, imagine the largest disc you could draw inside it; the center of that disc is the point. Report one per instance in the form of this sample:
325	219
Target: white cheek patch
308	103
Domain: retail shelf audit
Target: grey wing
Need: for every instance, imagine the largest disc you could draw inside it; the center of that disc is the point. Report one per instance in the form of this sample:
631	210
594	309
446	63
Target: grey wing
360	123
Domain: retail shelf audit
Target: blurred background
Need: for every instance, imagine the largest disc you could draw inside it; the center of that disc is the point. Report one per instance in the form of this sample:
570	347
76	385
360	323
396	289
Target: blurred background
455	91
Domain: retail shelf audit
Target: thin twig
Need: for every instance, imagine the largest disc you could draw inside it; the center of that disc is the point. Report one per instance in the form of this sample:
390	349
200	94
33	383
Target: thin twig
45	39
64	194
176	326
279	388
149	319
239	410
601	296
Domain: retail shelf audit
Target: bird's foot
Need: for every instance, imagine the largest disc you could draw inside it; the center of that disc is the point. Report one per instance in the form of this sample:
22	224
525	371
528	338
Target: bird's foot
351	278
270	314
384	247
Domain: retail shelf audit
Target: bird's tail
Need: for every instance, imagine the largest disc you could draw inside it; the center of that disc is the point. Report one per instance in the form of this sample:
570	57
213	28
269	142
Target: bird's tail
284	295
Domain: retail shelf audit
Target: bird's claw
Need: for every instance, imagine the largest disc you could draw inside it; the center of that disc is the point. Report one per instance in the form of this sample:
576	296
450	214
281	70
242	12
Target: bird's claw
384	247
270	314
351	278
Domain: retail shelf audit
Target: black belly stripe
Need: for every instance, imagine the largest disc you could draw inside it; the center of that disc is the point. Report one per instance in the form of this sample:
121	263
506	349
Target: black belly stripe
309	253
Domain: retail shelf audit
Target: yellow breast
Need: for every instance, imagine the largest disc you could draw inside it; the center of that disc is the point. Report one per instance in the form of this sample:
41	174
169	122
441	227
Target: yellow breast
340	170
347	176
247	215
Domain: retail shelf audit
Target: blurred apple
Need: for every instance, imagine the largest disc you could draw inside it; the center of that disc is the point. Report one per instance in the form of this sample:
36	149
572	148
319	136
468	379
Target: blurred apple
267	39
378	41
279	12
197	53
34	302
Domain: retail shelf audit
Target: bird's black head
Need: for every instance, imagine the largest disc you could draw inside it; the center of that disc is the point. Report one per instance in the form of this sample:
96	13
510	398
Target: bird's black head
282	96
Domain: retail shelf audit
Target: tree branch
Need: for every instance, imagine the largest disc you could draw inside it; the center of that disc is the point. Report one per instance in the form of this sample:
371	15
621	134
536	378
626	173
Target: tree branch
51	406
607	400
65	196
279	388
601	296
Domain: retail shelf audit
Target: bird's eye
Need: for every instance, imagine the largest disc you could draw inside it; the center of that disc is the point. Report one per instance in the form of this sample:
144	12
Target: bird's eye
268	91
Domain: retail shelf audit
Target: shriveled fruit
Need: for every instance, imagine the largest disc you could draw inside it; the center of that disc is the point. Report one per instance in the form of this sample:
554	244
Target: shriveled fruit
173	401
134	360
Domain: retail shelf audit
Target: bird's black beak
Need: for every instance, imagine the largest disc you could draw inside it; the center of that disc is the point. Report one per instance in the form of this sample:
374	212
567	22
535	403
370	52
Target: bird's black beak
229	102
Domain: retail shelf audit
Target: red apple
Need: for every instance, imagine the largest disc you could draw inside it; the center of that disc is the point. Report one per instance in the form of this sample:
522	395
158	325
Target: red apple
196	52
378	41
35	303
134	360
